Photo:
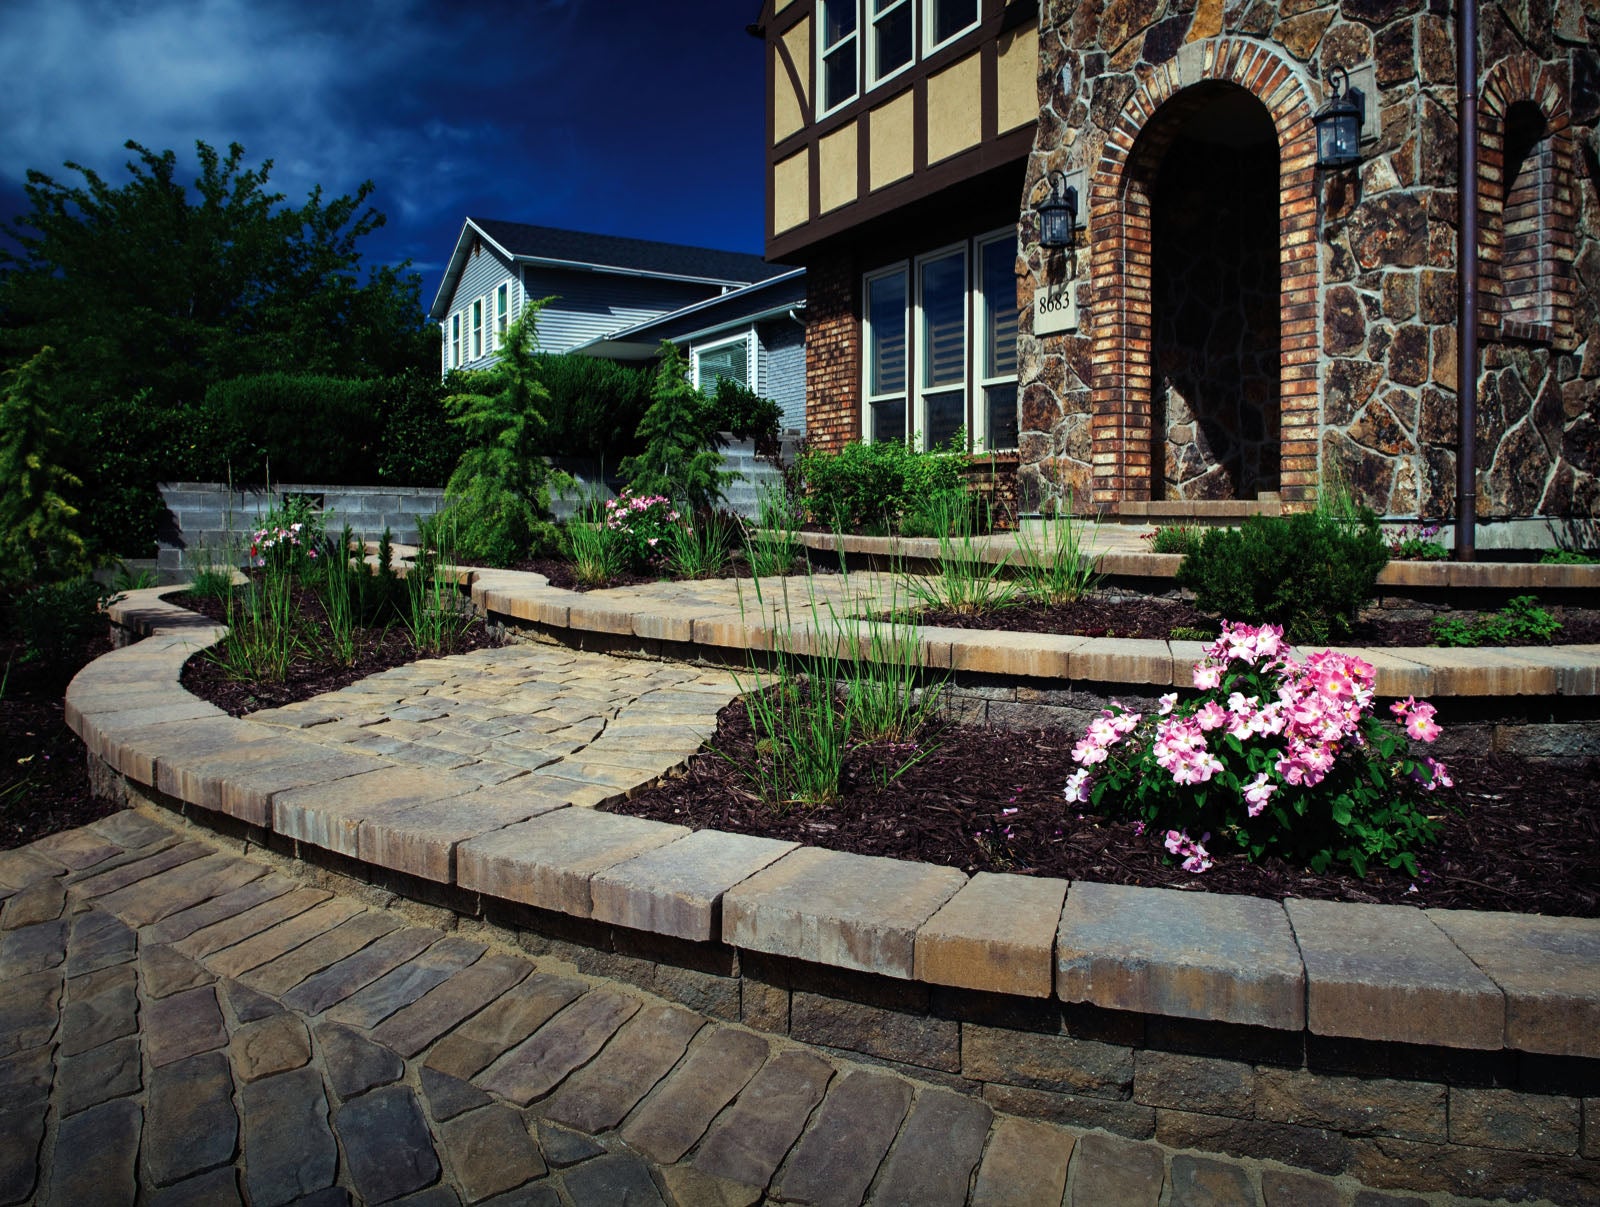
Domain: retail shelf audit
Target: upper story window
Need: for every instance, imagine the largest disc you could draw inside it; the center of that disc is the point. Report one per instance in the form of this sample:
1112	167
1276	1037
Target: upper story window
502	312
945	20
863	43
836	50
455	340
940	346
477	328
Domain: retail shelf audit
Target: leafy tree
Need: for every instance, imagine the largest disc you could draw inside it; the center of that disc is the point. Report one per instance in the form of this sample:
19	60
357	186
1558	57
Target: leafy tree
680	458
152	290
499	494
39	540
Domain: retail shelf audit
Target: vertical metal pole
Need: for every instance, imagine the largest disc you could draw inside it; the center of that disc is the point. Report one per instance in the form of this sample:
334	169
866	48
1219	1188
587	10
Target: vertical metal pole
1467	279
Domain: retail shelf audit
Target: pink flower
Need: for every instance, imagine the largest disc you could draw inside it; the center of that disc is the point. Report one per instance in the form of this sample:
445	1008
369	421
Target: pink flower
1257	793
1087	753
1424	729
1211	715
1078	785
1168	702
1207	677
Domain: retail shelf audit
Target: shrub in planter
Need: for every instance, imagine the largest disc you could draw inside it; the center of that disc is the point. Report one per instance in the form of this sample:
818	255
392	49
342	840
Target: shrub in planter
679	458
594	406
1309	572
1275	756
872	487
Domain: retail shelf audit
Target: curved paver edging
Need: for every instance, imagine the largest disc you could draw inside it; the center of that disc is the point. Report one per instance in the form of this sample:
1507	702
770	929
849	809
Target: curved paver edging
1441	977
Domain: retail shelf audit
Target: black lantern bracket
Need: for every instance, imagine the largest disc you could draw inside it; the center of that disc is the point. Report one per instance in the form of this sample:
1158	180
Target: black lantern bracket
1343	123
1061	216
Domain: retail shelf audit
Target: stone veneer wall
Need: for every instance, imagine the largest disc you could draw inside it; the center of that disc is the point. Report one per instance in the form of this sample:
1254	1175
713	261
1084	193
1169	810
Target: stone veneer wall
1367	259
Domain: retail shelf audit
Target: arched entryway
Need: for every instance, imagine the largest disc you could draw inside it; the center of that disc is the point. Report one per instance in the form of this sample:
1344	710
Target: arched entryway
1214	306
1203	250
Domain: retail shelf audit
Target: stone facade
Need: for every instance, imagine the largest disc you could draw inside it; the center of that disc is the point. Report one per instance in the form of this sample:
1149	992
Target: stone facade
1188	378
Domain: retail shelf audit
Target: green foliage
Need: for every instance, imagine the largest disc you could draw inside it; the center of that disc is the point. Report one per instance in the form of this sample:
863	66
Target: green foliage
964	582
125	578
1521	622
295	427
56	621
739	410
594	407
1420	544
699	550
1306	571
871	487
1176	538
152	290
596	552
1060	570
419	446
437	614
679	458
499	495
39	538
212	582
1568	557
774	543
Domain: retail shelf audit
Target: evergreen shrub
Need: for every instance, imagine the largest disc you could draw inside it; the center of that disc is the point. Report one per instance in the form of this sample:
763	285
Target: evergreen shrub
873	487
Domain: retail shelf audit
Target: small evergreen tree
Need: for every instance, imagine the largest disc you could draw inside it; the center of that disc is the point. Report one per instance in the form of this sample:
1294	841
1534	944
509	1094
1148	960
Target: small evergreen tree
680	460
39	539
499	494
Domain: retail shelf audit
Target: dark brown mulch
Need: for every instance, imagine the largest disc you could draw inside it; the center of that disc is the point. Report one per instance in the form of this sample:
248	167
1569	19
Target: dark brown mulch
311	672
1523	837
44	778
559	572
1148	617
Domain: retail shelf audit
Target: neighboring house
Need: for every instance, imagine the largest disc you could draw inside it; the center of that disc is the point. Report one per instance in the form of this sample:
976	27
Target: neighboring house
754	336
1236	322
598	283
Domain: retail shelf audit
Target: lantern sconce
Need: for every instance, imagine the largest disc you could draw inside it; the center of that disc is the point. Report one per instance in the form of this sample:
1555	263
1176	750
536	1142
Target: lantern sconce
1058	215
1338	124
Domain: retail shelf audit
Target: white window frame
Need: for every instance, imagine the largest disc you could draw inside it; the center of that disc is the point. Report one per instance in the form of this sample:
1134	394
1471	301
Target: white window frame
900	268
916	365
748	339
479	305
457	327
868	25
980	380
929	46
502	315
823	50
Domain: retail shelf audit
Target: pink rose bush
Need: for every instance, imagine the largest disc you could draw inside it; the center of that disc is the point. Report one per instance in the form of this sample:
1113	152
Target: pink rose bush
640	524
1274	755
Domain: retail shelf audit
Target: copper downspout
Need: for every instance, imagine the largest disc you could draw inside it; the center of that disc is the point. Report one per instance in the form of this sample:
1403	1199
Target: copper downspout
1467	278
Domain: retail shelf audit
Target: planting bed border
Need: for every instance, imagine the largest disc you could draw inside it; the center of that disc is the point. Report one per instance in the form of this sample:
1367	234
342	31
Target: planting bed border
1426	1049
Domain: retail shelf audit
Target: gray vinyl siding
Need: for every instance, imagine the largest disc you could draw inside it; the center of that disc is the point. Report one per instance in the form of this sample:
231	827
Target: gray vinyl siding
482	274
589	305
782	370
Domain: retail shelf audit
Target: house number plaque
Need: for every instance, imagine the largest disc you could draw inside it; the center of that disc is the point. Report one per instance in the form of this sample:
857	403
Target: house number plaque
1055	309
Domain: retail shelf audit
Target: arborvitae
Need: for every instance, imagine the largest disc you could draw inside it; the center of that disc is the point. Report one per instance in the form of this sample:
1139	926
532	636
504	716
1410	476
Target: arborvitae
679	460
39	538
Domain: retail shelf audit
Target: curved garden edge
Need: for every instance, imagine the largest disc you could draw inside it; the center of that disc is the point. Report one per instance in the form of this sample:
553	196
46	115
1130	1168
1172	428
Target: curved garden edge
1455	979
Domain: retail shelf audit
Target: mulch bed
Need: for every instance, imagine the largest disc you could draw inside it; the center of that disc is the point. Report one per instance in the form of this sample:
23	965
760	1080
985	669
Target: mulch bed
559	572
44	777
310	673
1128	615
1519	836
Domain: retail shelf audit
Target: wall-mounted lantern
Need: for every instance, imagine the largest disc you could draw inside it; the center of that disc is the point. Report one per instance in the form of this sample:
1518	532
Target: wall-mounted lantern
1058	215
1338	124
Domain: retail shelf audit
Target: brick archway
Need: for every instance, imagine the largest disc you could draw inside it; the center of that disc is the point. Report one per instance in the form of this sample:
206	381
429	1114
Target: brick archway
1522	78
1120	239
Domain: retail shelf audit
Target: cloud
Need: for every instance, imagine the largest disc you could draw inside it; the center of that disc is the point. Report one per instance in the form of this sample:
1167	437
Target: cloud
334	93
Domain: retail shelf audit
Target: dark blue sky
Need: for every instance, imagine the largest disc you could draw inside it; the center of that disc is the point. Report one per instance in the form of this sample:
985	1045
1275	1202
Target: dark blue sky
632	117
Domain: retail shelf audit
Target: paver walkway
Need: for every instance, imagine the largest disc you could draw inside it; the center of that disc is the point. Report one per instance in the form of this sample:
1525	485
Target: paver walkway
183	1025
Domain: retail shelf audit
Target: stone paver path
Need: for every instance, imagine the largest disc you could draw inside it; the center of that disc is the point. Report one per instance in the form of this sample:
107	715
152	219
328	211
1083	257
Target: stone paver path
183	1025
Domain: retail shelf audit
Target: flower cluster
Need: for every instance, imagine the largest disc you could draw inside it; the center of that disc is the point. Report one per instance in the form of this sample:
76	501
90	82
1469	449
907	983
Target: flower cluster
1275	753
285	539
640	523
1417	544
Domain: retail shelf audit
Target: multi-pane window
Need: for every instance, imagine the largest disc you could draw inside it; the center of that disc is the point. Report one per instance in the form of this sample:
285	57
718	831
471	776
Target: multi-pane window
955	311
886	321
477	328
727	360
836	50
502	312
889	37
861	43
455	340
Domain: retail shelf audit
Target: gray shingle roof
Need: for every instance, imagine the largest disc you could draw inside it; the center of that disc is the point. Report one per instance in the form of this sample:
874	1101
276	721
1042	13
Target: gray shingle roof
638	255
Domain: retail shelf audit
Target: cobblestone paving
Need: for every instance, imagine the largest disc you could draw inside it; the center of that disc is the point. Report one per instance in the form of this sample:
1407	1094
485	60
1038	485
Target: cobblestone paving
522	711
183	1025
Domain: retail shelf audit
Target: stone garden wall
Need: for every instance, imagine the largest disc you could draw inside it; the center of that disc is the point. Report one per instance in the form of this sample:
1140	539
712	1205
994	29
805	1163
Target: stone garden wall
1366	374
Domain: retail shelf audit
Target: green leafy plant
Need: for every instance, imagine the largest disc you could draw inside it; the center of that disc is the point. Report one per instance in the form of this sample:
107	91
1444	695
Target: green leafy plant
1568	557
700	550
265	632
56	621
1420	544
597	551
1059	569
735	408
1521	622
1175	538
499	495
437	613
1274	756
871	487
212	582
679	458
125	578
640	526
1307	571
773	544
335	579
39	536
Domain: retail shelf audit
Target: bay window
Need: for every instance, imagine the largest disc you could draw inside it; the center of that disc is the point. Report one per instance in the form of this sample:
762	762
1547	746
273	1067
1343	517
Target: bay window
939	346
